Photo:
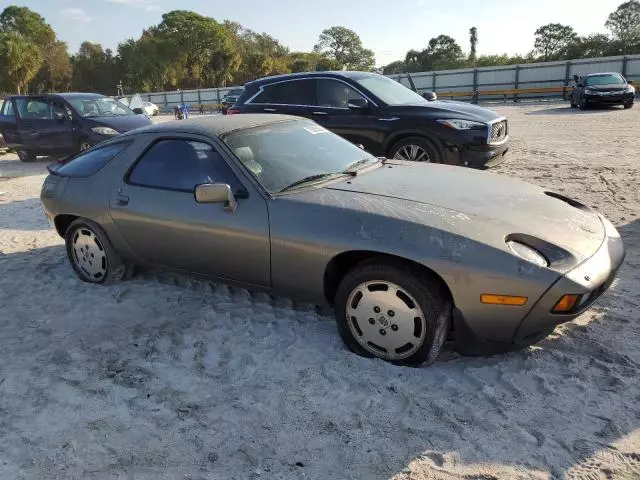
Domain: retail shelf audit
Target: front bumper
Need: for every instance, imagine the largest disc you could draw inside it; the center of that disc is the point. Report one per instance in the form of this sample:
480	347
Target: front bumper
479	156
590	279
617	99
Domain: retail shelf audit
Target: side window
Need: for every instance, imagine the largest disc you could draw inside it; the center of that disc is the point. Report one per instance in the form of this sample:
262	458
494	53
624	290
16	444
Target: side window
181	165
34	108
295	92
86	164
336	94
7	109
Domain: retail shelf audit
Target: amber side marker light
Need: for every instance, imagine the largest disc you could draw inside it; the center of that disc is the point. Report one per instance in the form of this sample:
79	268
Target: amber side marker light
566	303
492	299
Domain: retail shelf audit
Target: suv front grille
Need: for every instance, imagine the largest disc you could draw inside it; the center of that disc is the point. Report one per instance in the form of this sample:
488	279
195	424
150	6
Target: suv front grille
499	131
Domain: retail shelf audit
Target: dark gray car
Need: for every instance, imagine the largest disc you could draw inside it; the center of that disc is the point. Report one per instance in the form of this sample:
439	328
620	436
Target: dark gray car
407	253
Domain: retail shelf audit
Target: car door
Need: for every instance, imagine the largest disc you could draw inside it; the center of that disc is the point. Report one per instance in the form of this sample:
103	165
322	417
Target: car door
39	130
9	125
360	126
156	212
289	97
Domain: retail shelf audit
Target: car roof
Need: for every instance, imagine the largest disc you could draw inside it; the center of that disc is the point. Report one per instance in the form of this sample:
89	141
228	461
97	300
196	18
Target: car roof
334	74
62	95
215	125
600	73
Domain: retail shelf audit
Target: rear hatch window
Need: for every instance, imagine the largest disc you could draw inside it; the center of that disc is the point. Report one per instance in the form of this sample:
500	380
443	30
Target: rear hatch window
87	163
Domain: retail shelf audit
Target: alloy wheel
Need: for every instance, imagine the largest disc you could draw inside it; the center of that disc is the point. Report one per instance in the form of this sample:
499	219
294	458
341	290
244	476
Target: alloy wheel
89	255
385	320
414	153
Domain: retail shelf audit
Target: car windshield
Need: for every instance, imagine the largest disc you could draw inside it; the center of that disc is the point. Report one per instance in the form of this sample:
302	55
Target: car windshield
606	79
99	107
282	154
390	91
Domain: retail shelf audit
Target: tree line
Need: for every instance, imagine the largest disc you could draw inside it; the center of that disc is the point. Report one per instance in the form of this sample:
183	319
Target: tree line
187	50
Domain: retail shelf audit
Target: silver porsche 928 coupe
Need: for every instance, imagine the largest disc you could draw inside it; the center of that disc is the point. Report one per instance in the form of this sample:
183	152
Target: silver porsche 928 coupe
408	254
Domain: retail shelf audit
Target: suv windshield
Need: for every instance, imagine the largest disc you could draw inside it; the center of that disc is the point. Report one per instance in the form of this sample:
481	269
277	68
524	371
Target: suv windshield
282	154
390	91
99	107
606	79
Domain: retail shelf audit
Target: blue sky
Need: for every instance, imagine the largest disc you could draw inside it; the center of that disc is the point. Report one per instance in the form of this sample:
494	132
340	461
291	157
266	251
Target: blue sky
388	27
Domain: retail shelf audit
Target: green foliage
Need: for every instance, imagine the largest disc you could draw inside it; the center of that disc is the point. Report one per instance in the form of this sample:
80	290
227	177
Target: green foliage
345	47
553	39
20	59
624	24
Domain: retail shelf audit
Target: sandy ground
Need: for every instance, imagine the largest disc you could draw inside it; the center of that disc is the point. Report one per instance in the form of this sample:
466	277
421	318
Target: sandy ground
166	377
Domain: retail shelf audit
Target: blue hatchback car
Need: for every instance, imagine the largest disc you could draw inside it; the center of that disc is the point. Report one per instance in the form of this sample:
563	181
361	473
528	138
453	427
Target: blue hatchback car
64	124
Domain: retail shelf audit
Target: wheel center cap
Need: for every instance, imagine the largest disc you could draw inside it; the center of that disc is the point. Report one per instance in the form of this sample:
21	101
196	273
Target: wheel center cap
383	321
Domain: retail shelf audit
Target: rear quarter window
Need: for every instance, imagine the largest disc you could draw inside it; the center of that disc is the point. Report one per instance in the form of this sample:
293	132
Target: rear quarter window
86	164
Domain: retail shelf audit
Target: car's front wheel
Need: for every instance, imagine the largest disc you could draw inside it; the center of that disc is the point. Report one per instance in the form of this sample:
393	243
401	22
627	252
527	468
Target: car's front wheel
583	104
25	156
415	149
628	105
91	254
393	312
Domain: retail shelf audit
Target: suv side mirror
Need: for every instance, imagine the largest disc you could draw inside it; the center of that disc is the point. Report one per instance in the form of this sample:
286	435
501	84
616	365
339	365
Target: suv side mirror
358	104
630	82
430	96
216	193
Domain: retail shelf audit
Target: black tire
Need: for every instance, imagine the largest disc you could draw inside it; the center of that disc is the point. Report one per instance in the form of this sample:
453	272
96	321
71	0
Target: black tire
583	105
426	145
25	156
629	105
430	296
115	269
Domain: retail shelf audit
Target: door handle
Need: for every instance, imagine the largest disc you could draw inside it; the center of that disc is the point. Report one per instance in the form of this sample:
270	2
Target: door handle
122	199
319	113
271	110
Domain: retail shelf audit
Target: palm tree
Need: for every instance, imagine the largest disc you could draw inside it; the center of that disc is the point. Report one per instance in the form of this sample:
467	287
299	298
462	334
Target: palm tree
20	59
473	32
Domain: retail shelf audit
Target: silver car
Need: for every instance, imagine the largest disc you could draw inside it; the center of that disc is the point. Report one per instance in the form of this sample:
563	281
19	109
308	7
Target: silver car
408	254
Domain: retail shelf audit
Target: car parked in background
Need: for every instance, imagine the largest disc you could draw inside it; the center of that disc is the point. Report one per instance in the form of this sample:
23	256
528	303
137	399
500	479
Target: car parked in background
385	117
150	109
231	98
63	124
406	252
602	89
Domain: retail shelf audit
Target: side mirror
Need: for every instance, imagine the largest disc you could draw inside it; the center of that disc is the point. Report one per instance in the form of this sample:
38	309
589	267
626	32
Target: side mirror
216	193
630	82
430	96
138	111
358	104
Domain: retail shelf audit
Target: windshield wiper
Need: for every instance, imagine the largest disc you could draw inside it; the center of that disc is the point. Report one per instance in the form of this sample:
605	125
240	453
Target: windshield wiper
310	178
354	167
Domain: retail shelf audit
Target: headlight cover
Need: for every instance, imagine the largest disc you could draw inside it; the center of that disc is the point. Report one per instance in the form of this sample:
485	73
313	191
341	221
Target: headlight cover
460	124
527	253
104	130
630	89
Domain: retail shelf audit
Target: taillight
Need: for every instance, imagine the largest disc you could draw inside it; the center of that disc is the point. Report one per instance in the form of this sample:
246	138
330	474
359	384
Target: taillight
231	111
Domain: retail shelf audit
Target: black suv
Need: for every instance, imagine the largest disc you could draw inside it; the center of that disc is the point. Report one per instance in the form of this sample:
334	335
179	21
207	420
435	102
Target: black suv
602	89
384	117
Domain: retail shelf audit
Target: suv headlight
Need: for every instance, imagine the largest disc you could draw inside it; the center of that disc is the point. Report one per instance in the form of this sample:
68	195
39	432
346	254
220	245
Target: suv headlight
527	253
591	91
630	89
104	131
462	124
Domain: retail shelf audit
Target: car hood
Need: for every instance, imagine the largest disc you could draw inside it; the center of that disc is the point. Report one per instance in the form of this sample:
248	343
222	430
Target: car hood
449	109
610	87
504	204
121	124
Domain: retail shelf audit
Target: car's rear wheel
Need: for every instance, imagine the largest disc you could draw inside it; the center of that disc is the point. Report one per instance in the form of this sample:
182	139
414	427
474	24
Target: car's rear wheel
392	312
628	105
25	156
415	149
92	256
